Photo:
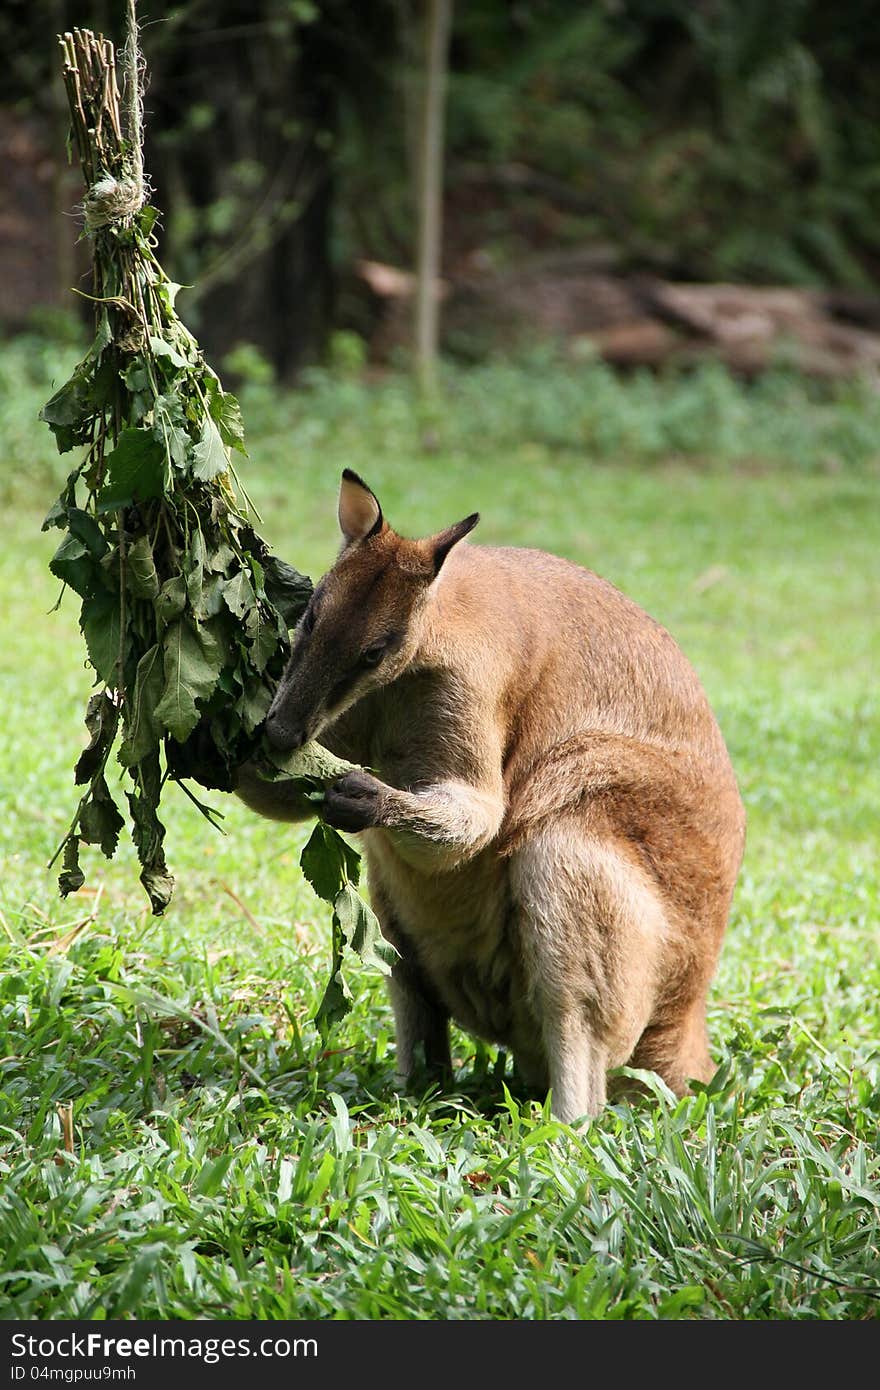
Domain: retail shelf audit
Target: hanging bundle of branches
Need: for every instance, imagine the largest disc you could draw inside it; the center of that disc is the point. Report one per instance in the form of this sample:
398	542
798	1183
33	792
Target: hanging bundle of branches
185	611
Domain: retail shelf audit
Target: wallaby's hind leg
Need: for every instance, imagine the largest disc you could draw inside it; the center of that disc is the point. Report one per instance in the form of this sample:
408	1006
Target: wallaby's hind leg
592	930
418	1022
421	1023
678	1051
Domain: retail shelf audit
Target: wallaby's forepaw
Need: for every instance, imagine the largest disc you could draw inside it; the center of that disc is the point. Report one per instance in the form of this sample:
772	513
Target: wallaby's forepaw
352	802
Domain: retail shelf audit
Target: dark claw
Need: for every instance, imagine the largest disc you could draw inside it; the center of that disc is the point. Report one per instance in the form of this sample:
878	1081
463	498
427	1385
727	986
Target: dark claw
352	802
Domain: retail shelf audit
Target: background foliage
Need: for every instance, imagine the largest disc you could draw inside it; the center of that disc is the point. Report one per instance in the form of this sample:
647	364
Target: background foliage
714	139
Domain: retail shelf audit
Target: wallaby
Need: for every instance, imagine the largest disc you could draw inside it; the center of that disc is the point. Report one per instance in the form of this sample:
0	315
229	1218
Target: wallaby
554	829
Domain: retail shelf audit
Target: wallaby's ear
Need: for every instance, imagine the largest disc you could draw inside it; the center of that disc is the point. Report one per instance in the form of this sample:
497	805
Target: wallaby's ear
360	515
443	543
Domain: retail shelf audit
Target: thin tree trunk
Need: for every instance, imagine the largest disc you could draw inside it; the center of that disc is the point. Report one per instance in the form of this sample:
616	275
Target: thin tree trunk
429	187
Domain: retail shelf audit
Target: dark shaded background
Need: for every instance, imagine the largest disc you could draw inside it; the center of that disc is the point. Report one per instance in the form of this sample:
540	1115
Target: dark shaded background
697	140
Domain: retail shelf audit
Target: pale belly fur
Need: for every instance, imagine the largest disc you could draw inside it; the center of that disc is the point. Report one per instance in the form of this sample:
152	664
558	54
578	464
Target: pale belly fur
464	931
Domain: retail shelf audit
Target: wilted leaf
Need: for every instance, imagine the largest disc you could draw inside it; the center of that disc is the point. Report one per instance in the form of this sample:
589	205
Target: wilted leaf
71	877
148	833
144	731
100	821
73	564
102	718
171	599
159	883
140	569
286	589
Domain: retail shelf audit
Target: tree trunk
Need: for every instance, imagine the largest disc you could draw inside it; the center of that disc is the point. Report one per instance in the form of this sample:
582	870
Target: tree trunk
429	188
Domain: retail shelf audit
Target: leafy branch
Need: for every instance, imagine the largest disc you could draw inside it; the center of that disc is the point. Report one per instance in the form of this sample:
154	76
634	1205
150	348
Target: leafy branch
184	609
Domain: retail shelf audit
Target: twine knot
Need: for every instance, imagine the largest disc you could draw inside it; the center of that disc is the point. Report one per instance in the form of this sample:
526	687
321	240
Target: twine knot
112	200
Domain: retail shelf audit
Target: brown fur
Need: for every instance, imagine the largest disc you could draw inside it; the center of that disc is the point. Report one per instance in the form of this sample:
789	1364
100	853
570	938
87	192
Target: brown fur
554	830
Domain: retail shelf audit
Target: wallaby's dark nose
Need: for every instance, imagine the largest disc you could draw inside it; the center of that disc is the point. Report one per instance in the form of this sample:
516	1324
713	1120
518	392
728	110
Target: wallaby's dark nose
283	736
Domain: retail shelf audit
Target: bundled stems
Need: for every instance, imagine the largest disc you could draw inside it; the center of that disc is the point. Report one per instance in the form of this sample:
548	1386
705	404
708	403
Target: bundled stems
185	611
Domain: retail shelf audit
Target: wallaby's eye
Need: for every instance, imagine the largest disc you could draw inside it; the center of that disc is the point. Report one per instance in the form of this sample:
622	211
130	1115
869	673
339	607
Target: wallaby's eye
372	655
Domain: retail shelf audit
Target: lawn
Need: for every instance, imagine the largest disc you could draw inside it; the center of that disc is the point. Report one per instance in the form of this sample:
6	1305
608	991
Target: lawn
175	1141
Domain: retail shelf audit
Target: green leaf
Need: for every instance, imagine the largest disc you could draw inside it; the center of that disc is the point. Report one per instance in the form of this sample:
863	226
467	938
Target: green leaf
137	378
321	864
147	218
170	430
220	558
209	455
286	589
60	508
226	413
100	623
334	1005
135	471
140	569
57	513
253	704
361	930
328	862
264	638
168	292
314	767
210	601
103	336
86	529
143	730
70	412
192	661
160	348
73	564
238	594
171	600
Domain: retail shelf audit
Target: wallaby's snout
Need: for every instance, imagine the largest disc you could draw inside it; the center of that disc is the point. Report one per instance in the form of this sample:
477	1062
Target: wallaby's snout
283	734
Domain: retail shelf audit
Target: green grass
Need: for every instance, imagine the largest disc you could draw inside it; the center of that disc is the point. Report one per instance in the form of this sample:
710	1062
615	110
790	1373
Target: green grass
226	1165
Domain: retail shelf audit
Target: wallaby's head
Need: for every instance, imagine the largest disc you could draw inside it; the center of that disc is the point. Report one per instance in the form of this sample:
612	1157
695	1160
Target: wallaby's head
363	624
